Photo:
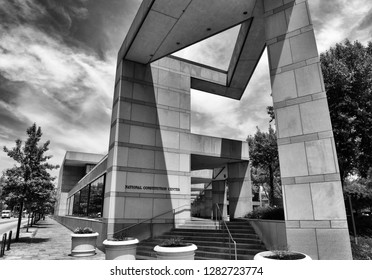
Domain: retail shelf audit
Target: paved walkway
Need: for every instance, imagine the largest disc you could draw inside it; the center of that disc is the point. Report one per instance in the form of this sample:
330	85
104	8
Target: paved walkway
47	240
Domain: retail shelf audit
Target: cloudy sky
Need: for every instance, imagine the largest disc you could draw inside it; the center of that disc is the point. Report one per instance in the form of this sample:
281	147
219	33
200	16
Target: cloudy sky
58	59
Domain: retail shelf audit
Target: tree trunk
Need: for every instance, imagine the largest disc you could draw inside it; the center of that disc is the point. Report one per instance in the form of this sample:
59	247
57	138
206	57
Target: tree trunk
19	220
272	187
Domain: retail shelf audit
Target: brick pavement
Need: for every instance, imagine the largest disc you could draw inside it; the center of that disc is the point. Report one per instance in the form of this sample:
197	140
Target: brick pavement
47	240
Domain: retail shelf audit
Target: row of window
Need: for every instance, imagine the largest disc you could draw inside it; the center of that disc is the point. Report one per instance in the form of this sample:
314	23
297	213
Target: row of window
88	202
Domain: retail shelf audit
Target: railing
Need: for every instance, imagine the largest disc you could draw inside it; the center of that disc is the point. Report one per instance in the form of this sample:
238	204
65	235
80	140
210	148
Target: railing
228	231
151	223
5	243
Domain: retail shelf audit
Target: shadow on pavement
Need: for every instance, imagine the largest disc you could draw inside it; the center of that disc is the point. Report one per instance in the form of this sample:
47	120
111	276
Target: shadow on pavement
44	226
32	240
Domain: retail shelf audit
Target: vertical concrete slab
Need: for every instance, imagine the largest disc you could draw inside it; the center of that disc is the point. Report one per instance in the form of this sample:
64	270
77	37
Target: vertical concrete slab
219	196
240	189
148	170
305	136
208	203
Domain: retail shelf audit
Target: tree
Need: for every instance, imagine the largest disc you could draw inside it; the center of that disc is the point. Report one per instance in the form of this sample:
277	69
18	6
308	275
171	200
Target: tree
263	153
347	72
28	184
361	196
2	182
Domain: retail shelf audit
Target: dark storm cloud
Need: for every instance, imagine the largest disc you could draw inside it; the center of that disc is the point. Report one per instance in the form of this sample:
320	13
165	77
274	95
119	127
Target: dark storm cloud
57	66
98	25
11	120
105	28
366	22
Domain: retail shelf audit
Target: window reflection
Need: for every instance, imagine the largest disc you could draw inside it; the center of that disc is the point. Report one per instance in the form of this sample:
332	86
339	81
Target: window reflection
96	198
83	204
89	200
75	208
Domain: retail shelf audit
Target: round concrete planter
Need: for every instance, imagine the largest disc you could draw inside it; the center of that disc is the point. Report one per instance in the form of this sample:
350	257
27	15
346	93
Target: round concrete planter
186	252
266	256
121	249
84	244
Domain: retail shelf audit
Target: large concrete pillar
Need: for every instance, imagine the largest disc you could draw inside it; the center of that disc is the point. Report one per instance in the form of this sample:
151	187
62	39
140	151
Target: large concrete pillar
148	164
312	193
240	189
219	196
208	203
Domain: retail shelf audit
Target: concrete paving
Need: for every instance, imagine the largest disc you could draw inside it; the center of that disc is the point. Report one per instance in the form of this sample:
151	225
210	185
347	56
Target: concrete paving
47	240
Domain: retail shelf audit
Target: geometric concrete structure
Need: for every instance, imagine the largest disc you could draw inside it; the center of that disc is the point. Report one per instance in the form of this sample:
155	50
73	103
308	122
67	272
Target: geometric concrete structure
75	166
152	152
312	193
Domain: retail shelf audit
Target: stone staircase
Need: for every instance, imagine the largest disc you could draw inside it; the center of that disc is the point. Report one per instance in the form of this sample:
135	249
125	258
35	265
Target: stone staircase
212	242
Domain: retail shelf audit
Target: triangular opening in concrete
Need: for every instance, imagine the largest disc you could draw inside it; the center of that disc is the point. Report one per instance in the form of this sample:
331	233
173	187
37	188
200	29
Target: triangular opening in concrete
215	51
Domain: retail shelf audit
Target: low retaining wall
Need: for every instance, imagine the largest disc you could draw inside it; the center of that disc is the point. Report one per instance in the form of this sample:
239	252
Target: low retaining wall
271	232
141	232
72	223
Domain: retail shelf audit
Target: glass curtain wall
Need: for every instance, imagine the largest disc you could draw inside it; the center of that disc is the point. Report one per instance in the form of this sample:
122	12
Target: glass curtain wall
88	202
96	198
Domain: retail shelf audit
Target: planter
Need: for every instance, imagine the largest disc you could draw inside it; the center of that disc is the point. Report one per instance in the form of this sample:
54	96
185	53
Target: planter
186	252
83	245
121	249
289	255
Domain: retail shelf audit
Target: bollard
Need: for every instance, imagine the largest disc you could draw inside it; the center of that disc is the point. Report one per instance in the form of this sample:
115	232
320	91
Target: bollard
2	249
9	240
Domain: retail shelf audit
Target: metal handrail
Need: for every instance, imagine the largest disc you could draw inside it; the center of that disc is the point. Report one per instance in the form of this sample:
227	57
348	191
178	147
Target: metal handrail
150	219
230	236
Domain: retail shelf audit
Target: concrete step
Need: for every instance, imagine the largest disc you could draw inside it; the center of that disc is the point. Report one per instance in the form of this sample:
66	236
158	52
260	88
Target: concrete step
150	244
251	239
201	226
215	226
210	230
227	249
199	255
212	243
212	234
204	254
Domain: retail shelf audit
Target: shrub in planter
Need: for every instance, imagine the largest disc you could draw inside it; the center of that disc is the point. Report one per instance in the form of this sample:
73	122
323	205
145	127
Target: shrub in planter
267	213
83	242
121	248
281	256
175	249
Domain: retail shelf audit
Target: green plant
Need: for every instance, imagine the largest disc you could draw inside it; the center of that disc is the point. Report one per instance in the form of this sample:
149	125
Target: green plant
286	255
120	238
266	213
283	253
80	230
173	242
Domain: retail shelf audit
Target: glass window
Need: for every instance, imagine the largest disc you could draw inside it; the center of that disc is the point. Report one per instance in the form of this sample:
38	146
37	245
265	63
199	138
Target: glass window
96	198
70	205
83	204
89	200
75	207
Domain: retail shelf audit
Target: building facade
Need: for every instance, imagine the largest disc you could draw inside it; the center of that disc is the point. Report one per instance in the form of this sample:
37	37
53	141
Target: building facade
154	160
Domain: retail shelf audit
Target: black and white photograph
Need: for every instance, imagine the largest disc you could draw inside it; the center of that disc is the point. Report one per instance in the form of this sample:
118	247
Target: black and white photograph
232	132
